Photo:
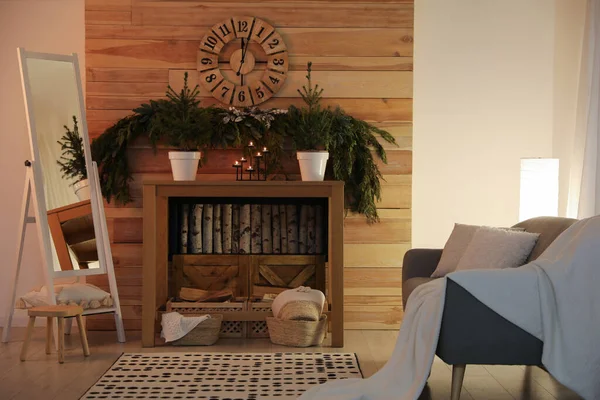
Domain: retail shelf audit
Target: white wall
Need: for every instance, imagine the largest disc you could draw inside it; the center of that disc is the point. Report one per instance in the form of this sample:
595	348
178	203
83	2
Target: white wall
484	98
45	26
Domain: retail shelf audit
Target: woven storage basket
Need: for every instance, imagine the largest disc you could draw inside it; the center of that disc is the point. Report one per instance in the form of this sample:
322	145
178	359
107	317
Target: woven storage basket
297	333
205	334
229	328
300	310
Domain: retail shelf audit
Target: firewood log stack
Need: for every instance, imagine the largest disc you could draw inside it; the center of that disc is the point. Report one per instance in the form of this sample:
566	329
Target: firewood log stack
251	229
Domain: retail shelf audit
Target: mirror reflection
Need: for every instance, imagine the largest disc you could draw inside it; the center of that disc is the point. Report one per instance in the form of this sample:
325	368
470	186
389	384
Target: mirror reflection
54	100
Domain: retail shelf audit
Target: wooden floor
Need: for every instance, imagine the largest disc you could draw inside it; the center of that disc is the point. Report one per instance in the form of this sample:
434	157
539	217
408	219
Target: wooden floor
41	377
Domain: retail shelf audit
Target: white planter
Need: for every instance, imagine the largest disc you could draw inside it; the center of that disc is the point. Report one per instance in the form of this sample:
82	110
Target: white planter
312	164
82	189
184	164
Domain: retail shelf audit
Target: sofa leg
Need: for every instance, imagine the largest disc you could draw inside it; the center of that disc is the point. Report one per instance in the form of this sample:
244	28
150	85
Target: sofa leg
458	374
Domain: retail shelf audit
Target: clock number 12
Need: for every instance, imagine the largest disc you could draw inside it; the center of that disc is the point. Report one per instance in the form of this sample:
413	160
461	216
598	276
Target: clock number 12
242	26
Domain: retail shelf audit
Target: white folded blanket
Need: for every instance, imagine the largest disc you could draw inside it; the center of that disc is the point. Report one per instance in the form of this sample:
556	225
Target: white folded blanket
555	298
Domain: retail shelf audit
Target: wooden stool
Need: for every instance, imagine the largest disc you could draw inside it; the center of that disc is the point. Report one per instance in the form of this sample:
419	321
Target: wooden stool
60	312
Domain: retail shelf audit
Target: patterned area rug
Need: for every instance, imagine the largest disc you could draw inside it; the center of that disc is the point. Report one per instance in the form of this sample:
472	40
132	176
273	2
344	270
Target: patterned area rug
221	376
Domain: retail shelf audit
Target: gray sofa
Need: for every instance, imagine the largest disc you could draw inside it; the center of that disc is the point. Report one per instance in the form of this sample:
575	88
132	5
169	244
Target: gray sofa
471	333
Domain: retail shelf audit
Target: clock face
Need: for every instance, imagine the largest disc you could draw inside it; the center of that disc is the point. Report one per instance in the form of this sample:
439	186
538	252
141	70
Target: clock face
242	61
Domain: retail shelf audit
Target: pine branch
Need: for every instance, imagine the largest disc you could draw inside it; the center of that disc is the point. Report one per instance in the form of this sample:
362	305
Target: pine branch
73	157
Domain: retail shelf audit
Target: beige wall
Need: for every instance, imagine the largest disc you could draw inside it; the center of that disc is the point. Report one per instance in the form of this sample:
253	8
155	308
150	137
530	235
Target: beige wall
45	26
489	87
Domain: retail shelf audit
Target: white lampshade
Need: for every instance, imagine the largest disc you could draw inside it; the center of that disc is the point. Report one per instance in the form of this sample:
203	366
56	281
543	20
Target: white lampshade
539	188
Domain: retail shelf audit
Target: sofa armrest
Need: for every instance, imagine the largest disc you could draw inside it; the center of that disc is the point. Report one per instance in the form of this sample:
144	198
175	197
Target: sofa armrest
420	263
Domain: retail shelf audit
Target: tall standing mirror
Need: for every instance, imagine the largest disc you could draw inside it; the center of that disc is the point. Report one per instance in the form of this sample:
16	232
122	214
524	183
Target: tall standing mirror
60	136
62	181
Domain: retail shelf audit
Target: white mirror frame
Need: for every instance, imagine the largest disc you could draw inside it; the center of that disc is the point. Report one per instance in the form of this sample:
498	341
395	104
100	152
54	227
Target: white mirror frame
103	247
34	190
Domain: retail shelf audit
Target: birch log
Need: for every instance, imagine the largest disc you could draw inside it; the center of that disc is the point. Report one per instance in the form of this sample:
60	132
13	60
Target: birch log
292	229
255	218
227	228
319	230
310	230
267	240
283	230
303	230
218	230
276	229
245	229
185	223
235	229
195	242
207	228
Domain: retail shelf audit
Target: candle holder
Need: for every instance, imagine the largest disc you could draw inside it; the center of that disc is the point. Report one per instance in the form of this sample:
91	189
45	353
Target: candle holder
250	170
254	164
265	152
238	166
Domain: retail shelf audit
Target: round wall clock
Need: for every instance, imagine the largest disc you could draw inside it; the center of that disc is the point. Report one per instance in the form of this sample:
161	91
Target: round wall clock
242	61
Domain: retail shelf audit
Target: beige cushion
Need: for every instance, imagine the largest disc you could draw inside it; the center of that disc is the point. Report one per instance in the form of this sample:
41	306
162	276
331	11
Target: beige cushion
453	250
493	248
81	294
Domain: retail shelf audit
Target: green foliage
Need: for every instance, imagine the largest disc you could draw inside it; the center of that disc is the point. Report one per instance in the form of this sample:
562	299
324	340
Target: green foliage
265	128
180	121
353	144
177	120
311	96
351	148
350	143
109	150
310	127
72	160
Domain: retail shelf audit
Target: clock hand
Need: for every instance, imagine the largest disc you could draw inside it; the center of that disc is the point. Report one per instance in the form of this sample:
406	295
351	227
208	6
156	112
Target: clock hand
244	50
242	60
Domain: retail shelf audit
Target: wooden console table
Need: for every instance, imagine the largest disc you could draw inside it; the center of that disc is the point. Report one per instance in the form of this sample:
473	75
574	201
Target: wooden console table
156	238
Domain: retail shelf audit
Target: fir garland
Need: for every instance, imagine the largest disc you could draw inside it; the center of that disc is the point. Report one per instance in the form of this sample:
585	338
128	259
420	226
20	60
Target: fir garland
352	143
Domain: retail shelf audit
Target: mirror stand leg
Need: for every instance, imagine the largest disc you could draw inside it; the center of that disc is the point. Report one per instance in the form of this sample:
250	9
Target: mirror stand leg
10	304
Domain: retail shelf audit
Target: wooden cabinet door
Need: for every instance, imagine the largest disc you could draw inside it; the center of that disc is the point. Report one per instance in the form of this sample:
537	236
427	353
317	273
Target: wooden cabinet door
211	272
273	274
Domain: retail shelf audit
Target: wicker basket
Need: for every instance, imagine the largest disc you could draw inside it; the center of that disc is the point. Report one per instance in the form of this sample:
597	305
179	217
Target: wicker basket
297	333
205	334
229	329
300	310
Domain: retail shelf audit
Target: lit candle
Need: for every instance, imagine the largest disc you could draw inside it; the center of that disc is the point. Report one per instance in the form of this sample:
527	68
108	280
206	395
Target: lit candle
250	169
243	159
236	164
258	155
265	150
251	144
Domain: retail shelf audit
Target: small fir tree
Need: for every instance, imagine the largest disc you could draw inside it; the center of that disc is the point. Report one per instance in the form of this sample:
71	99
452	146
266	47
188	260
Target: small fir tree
72	160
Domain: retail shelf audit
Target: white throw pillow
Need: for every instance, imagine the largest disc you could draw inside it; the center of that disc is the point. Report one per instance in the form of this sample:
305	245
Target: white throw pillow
455	248
493	248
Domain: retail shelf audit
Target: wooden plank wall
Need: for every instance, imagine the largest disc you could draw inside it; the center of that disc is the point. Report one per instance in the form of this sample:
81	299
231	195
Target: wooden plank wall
362	56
